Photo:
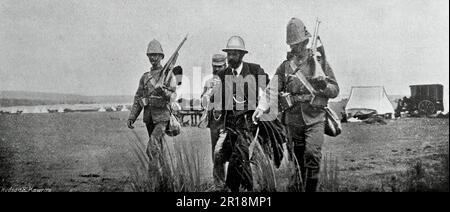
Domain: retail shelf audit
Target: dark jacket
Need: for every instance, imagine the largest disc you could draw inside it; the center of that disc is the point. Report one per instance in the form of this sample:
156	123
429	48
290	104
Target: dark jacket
252	77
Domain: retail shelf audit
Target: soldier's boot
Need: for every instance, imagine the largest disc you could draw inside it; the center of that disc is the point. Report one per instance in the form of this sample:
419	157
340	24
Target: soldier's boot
233	178
312	180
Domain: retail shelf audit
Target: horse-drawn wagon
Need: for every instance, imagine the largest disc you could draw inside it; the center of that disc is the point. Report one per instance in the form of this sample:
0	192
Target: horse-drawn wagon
424	100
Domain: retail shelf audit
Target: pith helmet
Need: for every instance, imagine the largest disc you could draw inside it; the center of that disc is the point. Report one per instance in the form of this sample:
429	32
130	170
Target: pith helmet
296	32
235	43
154	47
219	60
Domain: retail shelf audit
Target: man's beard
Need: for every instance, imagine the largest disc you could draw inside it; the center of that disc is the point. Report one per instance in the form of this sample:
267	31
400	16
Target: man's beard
234	63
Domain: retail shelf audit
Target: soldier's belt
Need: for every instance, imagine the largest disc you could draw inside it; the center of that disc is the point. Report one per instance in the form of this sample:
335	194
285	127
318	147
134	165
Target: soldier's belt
288	100
154	101
301	98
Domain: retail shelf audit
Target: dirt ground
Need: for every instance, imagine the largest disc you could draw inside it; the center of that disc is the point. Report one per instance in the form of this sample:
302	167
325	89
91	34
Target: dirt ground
91	151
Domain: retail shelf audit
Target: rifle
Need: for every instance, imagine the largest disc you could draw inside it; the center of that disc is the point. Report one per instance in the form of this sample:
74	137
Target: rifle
314	39
316	100
167	69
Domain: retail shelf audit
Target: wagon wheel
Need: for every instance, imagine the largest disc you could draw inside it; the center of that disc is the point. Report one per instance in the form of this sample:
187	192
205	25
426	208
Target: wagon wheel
426	107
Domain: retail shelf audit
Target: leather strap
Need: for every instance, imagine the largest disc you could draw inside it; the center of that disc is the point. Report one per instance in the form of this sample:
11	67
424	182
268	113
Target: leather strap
301	98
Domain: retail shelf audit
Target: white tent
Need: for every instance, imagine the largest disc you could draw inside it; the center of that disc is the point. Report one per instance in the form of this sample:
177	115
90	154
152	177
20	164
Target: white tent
60	110
102	109
44	110
124	108
13	110
26	110
37	110
367	99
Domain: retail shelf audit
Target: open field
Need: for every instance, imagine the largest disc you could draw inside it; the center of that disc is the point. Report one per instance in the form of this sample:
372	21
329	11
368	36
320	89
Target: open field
91	152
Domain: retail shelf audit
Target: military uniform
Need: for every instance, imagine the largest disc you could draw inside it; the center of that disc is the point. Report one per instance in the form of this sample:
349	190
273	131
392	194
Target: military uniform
305	123
146	90
156	105
238	125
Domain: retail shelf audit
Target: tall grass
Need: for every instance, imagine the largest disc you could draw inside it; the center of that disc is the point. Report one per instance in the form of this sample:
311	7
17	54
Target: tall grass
329	174
138	171
181	166
188	169
419	179
295	180
329	179
416	178
179	169
262	168
289	173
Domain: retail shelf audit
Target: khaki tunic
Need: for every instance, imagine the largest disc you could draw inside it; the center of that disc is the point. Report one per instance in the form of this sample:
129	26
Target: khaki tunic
146	89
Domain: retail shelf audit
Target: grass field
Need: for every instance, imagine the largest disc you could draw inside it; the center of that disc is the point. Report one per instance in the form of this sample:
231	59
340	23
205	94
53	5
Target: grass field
92	152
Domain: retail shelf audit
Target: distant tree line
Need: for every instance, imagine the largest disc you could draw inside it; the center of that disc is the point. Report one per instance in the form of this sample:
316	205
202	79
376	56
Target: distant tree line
32	102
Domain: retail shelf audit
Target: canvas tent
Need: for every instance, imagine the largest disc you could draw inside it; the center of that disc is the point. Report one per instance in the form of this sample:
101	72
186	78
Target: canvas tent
44	110
124	108
14	110
368	99
102	109
37	110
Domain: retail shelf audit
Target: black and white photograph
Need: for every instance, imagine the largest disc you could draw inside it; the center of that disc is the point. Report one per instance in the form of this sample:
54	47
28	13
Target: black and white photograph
224	97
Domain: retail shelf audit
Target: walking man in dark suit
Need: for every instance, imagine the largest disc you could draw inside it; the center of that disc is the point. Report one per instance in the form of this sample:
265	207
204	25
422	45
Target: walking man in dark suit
240	84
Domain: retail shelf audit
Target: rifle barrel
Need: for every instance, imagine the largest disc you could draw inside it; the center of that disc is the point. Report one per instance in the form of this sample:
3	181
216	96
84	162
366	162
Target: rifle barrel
166	67
316	33
181	44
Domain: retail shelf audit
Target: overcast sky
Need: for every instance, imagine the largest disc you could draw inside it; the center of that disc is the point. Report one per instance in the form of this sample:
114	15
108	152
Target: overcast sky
98	47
